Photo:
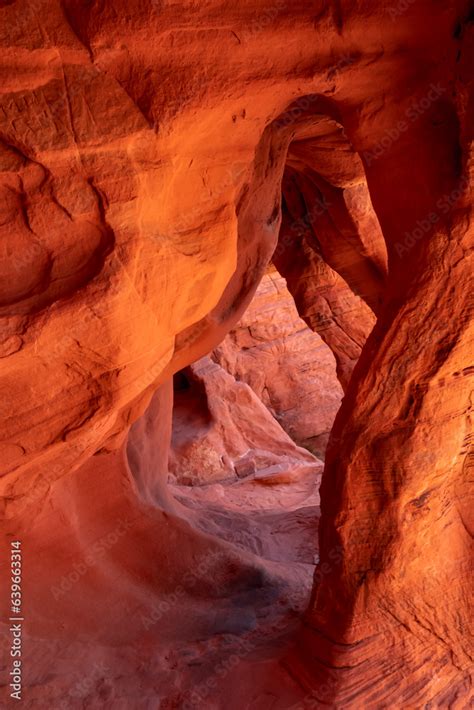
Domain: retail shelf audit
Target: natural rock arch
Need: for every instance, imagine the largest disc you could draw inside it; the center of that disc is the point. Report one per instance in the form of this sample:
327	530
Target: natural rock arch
384	599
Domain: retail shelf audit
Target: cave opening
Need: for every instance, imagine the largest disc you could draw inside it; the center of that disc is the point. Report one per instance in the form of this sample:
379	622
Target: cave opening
331	249
252	418
245	427
314	307
266	395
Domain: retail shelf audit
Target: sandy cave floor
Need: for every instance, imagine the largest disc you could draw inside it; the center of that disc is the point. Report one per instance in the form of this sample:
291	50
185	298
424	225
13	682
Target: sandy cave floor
274	515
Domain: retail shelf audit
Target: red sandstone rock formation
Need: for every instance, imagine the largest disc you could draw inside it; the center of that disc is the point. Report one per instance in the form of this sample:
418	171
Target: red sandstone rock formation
330	247
222	430
287	366
324	300
143	147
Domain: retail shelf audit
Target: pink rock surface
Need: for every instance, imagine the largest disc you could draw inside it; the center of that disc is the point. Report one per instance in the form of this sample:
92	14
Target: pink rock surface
222	430
287	365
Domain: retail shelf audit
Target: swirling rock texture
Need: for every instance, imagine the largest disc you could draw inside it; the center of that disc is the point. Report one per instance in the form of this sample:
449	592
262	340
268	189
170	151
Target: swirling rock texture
149	153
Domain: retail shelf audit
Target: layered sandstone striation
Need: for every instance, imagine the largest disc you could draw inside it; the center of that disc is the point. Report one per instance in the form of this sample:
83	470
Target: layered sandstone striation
149	154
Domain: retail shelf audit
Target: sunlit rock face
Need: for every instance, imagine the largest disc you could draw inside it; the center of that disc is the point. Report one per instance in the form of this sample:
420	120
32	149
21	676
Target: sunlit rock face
222	430
269	388
287	365
153	156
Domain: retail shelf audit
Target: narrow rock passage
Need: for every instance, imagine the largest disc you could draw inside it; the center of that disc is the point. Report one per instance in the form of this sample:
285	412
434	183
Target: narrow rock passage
249	422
